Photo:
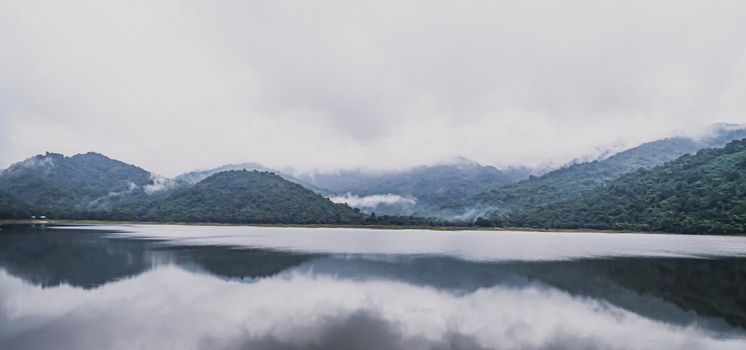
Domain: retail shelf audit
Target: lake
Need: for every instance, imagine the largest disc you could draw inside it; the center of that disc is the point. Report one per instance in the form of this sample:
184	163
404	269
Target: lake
240	287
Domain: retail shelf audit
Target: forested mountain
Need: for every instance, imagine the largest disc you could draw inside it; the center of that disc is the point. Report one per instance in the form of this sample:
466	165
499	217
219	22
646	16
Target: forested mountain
93	186
196	176
701	193
427	190
89	181
575	180
241	196
437	190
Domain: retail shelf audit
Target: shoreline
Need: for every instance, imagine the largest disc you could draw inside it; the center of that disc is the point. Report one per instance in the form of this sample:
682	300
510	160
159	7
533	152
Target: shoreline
372	227
64	222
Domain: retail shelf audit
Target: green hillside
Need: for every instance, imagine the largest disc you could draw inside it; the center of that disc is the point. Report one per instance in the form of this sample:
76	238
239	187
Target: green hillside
702	193
90	181
12	208
242	196
578	179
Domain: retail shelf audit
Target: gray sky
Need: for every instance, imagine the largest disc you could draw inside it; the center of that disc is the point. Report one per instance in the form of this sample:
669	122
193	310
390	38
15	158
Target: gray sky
177	85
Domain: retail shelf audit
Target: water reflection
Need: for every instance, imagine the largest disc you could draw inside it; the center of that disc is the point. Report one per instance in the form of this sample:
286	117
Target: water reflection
85	258
139	293
467	245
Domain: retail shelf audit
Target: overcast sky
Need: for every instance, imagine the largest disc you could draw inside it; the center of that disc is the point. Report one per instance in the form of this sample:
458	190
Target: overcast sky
177	85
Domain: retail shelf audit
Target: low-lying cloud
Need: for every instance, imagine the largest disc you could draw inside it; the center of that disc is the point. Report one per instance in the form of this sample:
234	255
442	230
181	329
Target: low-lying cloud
172	308
373	201
159	183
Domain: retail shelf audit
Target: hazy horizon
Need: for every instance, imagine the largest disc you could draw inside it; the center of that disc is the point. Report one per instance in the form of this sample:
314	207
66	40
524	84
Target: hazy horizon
174	86
597	153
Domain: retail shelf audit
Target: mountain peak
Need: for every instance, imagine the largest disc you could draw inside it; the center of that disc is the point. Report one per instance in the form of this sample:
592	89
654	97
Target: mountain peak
250	196
90	154
82	182
239	174
196	176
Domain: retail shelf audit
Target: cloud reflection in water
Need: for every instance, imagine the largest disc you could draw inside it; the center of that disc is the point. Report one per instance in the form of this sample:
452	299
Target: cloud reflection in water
169	307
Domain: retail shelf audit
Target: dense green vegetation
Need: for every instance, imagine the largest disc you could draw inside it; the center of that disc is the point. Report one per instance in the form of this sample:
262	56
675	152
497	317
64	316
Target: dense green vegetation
702	193
90	181
12	208
577	180
241	196
93	187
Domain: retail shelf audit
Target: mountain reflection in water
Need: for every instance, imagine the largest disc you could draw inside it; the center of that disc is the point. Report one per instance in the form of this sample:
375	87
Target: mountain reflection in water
66	283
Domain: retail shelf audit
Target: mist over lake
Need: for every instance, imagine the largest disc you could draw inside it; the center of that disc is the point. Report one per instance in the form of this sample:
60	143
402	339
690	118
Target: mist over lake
210	287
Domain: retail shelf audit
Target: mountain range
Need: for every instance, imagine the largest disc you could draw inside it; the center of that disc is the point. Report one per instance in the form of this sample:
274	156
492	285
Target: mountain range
435	190
92	185
83	182
700	193
463	189
237	196
576	180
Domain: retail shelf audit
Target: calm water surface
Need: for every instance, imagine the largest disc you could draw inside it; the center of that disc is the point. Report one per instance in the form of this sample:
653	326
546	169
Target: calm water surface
203	287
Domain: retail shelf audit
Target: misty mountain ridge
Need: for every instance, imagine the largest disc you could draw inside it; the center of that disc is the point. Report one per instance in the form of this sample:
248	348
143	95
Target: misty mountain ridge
243	196
92	185
88	181
713	135
428	190
196	176
700	193
574	180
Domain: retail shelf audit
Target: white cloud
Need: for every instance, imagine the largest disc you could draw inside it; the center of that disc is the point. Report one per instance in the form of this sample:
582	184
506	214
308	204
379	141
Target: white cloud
373	201
176	85
159	183
34	162
318	311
